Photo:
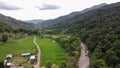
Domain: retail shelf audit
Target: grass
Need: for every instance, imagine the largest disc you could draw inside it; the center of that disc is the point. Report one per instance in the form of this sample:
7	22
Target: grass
16	47
51	51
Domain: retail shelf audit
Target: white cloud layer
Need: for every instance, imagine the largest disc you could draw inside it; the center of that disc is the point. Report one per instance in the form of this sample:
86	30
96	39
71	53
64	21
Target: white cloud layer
4	6
49	8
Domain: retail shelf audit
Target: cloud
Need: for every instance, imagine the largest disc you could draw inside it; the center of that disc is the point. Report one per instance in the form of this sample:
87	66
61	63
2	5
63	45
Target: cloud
5	6
48	7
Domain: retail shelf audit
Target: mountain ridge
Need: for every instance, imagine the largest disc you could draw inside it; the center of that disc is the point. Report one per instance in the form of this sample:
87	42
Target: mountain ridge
69	16
15	23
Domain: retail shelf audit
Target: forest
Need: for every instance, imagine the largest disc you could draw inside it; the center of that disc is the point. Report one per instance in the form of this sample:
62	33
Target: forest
7	31
100	30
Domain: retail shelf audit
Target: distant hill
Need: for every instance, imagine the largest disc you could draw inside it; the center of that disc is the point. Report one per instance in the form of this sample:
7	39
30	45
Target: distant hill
15	29
16	24
34	21
67	17
100	30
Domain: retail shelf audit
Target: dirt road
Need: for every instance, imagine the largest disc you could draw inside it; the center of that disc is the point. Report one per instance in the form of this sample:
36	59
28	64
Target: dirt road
38	55
84	59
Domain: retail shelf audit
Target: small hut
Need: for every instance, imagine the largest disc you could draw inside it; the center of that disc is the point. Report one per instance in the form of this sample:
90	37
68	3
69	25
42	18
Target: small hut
32	57
9	64
9	56
25	54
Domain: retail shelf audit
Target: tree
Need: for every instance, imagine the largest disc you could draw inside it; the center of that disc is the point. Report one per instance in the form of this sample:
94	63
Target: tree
113	59
48	64
63	65
4	38
54	66
98	64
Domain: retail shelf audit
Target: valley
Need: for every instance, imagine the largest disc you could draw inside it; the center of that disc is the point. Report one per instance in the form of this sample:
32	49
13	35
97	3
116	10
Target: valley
89	38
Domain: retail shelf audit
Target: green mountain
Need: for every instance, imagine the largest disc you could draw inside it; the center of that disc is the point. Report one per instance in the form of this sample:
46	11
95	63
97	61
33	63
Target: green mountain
16	24
100	30
14	29
50	22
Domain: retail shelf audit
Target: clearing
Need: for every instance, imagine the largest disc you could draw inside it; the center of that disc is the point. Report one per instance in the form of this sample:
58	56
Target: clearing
16	47
51	50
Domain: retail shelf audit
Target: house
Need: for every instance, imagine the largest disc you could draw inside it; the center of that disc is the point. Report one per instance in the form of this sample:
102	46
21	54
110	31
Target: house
25	54
9	64
32	57
20	67
9	56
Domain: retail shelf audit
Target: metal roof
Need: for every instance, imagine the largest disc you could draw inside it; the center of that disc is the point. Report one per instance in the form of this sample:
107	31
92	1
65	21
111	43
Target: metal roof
25	54
9	56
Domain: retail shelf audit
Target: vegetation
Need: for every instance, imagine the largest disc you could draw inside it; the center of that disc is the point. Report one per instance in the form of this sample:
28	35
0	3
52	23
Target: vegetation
16	47
4	27
70	44
8	32
65	18
63	65
15	29
51	51
14	40
16	24
100	30
4	38
49	64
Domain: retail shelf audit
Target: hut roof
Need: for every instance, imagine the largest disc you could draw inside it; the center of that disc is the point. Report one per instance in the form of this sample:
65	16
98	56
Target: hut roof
32	57
9	56
25	54
9	64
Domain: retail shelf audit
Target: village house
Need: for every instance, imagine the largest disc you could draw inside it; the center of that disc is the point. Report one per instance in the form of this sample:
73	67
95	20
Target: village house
9	64
32	57
25	54
9	56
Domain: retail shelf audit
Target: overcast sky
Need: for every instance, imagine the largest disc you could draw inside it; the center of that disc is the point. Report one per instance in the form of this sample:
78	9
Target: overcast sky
45	9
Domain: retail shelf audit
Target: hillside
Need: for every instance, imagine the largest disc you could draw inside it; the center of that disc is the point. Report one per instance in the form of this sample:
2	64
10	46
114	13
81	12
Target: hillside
36	21
69	16
4	27
15	23
15	29
100	30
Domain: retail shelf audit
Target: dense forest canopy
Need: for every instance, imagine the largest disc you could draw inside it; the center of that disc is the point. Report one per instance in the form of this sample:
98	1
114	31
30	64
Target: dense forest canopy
100	30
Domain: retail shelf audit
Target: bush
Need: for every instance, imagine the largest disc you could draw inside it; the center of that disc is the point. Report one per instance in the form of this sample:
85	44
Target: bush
4	38
48	64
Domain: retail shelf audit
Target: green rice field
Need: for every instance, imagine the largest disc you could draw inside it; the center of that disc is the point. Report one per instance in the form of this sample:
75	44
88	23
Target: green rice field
50	50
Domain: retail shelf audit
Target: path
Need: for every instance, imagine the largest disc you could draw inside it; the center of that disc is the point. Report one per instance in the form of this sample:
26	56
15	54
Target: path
38	55
84	59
